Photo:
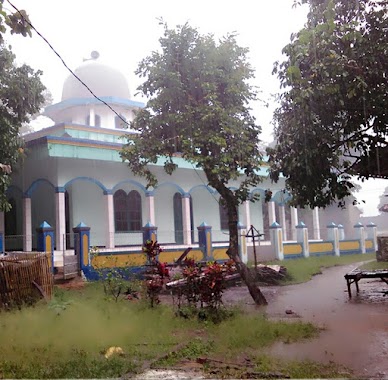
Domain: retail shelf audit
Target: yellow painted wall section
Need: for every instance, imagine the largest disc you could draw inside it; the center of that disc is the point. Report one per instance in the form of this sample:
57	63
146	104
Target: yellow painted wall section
208	243
48	243
220	254
197	255
85	253
292	249
349	245
368	244
111	261
321	247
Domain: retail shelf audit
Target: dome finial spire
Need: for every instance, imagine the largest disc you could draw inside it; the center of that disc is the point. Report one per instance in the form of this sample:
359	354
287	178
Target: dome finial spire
93	56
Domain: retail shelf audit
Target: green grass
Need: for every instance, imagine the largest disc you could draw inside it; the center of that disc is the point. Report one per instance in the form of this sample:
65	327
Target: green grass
374	265
68	337
302	270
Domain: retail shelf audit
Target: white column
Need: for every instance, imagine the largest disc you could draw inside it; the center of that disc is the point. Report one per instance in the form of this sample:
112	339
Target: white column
316	227
271	212
294	222
282	215
186	219
150	208
247	209
60	220
92	117
27	225
110	221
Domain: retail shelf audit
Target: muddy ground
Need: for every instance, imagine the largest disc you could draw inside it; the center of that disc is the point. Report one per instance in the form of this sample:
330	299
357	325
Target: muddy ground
355	331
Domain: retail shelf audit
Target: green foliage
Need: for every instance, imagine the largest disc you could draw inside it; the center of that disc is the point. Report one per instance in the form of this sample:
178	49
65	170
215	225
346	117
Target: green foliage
332	120
198	108
21	95
116	281
201	294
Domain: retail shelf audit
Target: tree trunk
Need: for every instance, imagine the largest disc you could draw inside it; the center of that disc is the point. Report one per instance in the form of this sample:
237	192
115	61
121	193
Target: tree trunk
242	269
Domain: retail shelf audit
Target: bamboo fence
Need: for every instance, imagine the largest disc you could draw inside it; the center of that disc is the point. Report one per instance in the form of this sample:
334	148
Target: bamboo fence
24	278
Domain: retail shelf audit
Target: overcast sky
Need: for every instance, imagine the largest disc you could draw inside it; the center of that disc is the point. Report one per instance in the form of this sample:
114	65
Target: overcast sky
124	32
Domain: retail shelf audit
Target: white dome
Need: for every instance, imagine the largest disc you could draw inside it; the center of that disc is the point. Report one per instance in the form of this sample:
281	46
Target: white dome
102	79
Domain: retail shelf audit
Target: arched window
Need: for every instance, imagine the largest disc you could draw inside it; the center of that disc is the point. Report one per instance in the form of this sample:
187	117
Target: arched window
178	218
224	220
134	211
121	211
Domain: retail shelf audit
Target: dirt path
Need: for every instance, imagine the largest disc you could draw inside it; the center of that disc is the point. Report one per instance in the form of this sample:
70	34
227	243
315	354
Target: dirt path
356	331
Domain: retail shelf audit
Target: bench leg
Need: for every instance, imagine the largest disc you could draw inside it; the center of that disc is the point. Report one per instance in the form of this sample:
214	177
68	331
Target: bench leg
349	291
358	290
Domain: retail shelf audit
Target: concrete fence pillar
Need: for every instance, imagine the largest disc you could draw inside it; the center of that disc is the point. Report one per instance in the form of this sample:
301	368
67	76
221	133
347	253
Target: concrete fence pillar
82	244
333	235
277	240
302	237
150	232
372	234
46	241
360	234
341	231
205	240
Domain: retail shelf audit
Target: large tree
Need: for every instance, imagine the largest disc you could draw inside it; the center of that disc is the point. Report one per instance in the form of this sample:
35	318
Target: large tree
198	95
332	119
21	95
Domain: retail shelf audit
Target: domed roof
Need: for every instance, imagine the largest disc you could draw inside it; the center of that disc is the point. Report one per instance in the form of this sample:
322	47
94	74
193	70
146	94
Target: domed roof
102	79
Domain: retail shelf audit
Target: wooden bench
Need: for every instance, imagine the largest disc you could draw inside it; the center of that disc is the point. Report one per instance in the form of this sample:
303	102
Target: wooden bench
356	275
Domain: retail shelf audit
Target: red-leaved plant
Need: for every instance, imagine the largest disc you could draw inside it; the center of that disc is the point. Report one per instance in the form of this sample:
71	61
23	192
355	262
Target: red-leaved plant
157	272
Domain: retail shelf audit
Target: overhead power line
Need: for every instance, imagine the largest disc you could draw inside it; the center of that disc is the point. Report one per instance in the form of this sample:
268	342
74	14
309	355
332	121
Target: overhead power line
64	63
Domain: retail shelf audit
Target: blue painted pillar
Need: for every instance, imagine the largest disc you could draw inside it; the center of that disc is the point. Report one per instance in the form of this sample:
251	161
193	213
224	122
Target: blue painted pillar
1	242
242	242
302	236
150	232
46	241
333	235
82	244
277	240
205	240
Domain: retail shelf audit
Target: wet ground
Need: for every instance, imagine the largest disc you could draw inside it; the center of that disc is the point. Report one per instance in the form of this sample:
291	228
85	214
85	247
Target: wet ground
355	331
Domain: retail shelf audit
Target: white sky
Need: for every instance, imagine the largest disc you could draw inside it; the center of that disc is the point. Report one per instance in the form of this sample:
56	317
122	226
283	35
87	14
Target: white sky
124	32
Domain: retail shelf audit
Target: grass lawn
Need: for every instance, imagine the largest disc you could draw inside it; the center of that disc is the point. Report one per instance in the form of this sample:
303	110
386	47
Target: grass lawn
67	338
301	270
373	265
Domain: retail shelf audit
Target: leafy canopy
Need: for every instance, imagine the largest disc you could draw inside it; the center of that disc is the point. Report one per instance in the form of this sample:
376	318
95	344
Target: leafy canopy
20	97
332	117
198	95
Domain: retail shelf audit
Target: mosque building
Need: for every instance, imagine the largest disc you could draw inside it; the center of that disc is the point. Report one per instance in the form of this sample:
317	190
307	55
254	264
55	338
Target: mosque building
73	173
